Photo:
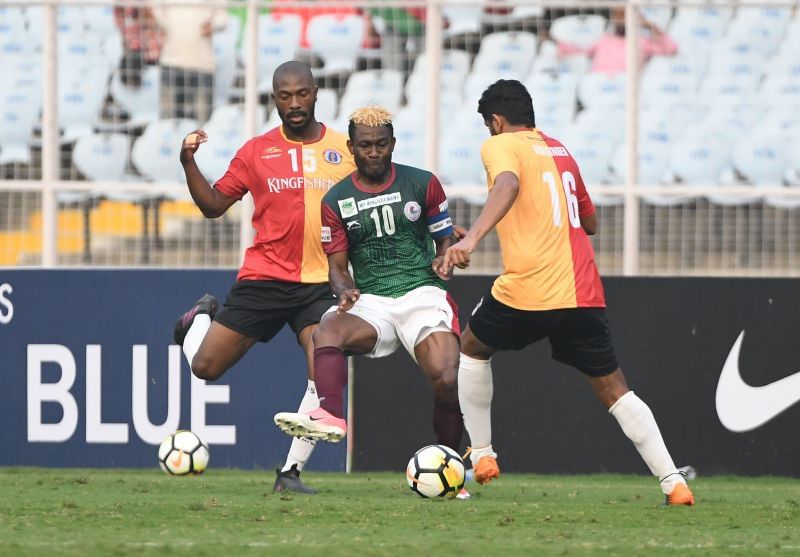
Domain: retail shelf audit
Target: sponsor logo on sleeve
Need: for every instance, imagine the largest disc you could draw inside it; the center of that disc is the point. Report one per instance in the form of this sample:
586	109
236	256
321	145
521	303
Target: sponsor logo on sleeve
443	206
332	156
347	207
412	211
326	234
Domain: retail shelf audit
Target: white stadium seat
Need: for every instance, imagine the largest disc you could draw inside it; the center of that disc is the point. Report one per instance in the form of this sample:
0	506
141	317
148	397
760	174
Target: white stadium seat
453	70
409	130
693	26
591	149
382	87
602	90
337	40
80	98
141	103
460	150
667	90
19	113
225	59
699	157
782	90
506	52
582	31
102	156
461	19
730	57
279	37
155	153
476	83
760	26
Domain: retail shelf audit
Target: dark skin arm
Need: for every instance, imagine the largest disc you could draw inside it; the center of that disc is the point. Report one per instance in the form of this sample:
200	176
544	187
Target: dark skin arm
211	202
341	281
589	224
500	200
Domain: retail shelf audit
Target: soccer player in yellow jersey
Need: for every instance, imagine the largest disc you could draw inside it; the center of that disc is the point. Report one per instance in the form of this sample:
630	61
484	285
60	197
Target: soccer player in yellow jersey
550	286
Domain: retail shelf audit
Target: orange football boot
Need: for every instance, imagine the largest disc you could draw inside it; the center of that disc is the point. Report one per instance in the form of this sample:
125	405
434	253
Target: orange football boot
681	495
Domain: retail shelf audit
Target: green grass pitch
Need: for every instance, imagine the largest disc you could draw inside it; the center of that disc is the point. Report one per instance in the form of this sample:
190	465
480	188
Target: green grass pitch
226	513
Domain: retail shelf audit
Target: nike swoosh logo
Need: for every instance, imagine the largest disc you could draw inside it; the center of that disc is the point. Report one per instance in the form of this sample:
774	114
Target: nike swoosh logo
742	407
313	419
177	459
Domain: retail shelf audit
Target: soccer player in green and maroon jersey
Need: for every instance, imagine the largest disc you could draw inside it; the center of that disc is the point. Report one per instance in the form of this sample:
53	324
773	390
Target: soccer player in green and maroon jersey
390	222
283	278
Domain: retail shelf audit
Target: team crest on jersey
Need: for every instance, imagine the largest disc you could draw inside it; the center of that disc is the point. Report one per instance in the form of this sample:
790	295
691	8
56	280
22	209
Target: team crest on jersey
347	207
332	156
412	211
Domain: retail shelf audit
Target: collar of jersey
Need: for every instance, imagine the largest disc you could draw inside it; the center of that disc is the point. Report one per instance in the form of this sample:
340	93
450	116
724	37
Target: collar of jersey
367	189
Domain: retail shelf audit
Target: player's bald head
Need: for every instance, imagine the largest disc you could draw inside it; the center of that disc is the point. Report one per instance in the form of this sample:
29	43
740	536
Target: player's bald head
292	71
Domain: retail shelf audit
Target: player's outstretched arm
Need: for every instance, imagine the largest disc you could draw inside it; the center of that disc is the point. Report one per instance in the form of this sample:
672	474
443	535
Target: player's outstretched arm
211	202
341	281
500	200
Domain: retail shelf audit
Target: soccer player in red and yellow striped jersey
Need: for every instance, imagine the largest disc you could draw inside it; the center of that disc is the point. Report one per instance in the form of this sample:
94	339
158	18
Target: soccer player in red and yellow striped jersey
550	286
284	276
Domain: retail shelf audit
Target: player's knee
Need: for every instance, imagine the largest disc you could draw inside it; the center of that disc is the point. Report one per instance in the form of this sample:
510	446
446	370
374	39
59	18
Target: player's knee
445	386
204	368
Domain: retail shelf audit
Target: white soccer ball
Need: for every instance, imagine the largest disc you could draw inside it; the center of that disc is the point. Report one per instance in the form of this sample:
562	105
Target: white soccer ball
182	453
436	471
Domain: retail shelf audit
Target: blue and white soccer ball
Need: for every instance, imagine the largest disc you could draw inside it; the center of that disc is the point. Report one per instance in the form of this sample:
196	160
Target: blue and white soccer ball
436	471
182	453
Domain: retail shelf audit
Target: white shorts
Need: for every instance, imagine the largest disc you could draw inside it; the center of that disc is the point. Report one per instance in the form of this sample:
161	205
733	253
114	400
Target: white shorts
406	320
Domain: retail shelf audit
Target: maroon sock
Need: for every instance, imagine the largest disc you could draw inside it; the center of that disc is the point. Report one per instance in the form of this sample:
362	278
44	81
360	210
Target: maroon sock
448	423
330	378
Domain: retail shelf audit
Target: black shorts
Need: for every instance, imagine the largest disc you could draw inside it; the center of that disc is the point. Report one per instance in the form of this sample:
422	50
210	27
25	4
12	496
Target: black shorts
579	337
260	308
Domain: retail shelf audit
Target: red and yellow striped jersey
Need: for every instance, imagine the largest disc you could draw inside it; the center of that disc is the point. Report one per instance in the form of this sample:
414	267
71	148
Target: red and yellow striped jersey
548	260
287	180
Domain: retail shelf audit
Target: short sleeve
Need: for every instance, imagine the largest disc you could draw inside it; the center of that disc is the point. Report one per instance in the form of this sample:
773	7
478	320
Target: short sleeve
334	235
440	224
234	182
499	155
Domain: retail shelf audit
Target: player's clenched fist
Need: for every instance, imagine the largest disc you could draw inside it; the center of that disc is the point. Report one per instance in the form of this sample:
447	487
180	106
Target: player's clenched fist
190	144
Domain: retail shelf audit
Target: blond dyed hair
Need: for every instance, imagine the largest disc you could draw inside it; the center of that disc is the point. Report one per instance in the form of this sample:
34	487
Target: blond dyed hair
371	116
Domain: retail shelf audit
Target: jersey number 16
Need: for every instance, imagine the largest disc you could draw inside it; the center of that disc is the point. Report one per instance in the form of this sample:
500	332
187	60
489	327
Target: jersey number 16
568	182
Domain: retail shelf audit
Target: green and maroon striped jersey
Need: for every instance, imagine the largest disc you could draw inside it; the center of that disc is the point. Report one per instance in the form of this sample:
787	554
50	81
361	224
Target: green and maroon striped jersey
388	232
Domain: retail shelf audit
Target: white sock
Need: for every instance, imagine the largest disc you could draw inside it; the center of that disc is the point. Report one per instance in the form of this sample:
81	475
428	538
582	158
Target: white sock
301	448
638	423
475	390
195	335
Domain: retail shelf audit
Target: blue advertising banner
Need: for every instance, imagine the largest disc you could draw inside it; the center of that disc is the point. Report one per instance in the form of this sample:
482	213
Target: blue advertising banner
89	374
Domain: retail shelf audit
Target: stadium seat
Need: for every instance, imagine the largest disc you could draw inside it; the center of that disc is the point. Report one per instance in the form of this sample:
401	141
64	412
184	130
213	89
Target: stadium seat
383	87
782	90
652	168
453	70
476	83
667	90
409	130
591	149
80	98
337	40
12	22
141	103
729	57
602	90
721	89
760	26
460	150
680	66
692	27
660	16
225	60
699	157
461	19
102	156
554	100
155	153
215	155
761	158
279	38
582	31
506	52
19	113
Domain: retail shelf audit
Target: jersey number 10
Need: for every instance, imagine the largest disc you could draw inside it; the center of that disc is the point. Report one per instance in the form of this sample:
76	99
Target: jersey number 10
568	181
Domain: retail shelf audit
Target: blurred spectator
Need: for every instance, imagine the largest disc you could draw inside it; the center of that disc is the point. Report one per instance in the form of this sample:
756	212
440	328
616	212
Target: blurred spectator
142	42
187	59
400	35
608	53
318	7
